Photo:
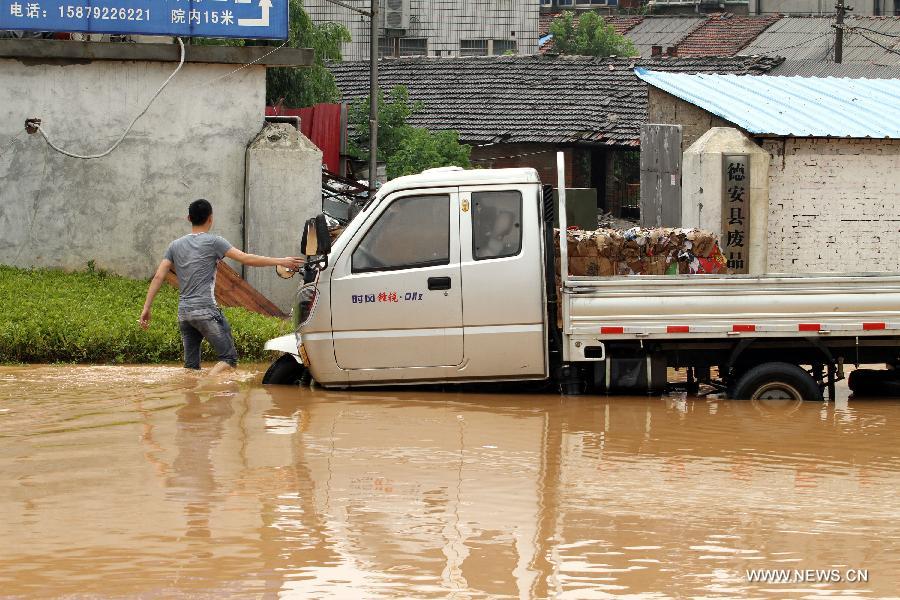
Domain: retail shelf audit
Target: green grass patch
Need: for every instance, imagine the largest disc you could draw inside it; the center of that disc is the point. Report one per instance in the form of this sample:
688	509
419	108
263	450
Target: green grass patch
92	316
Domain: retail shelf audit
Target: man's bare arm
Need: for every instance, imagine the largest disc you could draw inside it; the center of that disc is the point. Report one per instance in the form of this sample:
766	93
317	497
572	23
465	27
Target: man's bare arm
253	260
158	278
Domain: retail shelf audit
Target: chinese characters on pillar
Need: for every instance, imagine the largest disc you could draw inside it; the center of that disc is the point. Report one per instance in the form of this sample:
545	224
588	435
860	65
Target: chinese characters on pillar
736	211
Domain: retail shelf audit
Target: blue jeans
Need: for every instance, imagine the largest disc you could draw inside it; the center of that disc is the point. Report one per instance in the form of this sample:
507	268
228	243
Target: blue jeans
207	323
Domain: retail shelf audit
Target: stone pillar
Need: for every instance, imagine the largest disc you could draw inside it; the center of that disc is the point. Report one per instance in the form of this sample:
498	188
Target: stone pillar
283	190
703	182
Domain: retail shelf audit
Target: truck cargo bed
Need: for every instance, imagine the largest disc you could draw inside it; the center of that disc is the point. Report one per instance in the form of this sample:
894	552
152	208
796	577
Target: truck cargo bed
732	305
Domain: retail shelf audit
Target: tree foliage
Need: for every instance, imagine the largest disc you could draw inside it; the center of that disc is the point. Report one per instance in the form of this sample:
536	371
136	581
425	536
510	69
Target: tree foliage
421	149
590	36
403	148
310	85
302	86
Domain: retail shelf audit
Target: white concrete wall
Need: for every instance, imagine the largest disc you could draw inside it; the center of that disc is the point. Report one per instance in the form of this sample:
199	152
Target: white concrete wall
122	210
284	174
834	205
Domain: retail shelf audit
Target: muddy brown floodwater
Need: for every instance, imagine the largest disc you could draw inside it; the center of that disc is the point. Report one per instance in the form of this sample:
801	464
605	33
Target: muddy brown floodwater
143	482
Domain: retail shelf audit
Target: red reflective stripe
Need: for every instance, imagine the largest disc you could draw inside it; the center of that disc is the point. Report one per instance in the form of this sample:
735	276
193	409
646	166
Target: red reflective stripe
743	327
871	326
809	327
612	330
678	329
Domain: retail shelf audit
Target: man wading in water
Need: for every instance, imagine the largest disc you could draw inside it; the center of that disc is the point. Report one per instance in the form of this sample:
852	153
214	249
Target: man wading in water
195	257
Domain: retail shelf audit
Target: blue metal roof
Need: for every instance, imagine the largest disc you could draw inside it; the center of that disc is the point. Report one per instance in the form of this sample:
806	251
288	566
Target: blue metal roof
791	106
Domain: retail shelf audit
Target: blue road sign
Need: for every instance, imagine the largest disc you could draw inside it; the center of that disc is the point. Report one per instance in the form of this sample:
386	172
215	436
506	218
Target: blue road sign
267	19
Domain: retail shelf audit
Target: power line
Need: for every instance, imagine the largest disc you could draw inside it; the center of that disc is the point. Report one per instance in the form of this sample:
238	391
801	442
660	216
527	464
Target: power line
511	155
853	28
242	67
43	133
804	42
879	44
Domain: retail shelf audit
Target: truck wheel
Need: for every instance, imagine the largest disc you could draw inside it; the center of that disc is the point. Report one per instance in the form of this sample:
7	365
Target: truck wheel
284	371
874	383
776	382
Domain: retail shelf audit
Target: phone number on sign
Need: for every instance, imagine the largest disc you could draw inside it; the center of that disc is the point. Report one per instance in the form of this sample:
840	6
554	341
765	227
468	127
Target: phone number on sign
105	13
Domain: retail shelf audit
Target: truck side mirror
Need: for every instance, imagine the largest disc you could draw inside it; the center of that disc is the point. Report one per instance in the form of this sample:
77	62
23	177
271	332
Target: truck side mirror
316	242
316	238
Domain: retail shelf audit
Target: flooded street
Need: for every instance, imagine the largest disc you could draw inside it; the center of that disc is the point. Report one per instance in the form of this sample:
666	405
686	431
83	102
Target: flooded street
144	482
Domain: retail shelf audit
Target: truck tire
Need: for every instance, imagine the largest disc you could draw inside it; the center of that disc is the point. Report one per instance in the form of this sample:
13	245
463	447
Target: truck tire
777	381
284	371
874	383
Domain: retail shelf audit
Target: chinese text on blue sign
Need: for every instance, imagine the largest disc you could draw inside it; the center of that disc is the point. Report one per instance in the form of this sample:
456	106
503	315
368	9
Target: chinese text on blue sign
267	19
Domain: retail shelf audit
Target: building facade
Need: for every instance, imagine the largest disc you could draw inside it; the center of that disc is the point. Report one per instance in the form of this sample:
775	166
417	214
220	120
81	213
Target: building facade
834	168
519	111
824	7
438	28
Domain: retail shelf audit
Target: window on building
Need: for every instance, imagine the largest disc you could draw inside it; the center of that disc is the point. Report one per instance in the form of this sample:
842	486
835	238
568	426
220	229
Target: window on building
473	47
503	46
546	2
566	2
591	2
413	231
496	224
413	47
387	47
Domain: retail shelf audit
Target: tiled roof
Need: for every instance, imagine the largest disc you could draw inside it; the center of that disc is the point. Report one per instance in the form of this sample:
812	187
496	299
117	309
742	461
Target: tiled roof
621	23
812	39
662	31
724	35
538	98
544	23
827	68
718	34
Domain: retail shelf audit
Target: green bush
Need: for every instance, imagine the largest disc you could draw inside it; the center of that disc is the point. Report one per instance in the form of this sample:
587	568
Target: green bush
404	149
92	317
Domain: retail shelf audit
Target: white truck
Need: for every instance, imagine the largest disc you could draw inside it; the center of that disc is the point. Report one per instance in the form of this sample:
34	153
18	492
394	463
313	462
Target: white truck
448	277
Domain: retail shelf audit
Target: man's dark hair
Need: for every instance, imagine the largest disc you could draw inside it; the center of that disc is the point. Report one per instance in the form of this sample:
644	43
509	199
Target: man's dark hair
199	211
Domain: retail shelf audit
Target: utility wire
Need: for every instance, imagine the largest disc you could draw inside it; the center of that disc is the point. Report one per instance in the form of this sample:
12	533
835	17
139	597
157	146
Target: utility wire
510	156
852	28
50	143
879	44
776	50
242	67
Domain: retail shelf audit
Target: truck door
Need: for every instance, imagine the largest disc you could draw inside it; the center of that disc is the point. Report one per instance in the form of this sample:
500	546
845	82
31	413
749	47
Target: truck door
396	292
503	281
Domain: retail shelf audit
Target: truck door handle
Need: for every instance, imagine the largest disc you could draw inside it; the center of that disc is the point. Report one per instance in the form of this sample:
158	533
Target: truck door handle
438	283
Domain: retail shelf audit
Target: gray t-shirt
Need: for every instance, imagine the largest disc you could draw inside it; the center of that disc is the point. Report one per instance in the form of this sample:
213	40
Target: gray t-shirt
196	257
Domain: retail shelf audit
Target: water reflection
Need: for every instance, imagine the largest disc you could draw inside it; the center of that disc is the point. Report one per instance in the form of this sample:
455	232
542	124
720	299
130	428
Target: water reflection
142	482
200	425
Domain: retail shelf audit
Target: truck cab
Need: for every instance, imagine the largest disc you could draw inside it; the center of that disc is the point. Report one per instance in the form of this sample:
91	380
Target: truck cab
439	278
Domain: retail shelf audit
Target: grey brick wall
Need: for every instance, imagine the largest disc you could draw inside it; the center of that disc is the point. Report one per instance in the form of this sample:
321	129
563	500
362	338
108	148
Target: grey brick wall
668	109
443	23
834	205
